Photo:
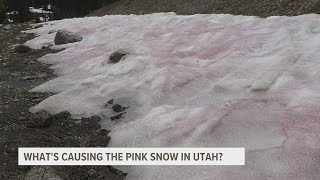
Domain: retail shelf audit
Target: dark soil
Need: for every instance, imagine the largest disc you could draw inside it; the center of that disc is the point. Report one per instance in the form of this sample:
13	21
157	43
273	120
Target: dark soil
20	128
262	8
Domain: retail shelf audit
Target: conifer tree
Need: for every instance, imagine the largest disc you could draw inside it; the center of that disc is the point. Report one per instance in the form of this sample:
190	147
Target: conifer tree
2	11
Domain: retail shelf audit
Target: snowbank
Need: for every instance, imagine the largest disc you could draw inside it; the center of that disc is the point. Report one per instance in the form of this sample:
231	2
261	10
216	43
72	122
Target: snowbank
197	81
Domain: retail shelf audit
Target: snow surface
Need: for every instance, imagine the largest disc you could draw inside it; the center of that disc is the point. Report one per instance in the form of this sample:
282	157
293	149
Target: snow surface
197	81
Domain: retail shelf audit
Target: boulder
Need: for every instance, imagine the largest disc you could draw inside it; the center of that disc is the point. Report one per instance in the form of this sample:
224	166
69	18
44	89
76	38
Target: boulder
21	48
7	27
117	56
118	108
65	37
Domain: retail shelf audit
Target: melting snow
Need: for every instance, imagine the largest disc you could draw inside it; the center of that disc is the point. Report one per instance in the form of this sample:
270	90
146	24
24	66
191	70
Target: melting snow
197	81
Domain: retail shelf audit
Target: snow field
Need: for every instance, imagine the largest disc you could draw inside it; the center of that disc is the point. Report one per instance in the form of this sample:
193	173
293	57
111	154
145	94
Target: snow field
197	81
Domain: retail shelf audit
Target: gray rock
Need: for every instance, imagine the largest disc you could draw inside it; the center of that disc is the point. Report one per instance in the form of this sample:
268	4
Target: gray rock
7	27
118	108
110	101
65	37
43	173
52	31
21	48
117	56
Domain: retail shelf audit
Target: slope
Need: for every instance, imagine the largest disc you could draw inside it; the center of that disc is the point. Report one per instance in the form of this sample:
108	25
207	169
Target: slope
262	8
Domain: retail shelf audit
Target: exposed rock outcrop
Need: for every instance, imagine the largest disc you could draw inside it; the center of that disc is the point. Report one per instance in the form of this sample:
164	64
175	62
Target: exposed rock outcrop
21	48
65	37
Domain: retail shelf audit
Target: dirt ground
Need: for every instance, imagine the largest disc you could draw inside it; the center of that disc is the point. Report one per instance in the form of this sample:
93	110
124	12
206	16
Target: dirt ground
262	8
20	128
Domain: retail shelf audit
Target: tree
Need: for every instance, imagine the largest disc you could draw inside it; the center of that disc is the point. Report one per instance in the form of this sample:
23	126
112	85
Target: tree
76	8
39	3
22	6
2	11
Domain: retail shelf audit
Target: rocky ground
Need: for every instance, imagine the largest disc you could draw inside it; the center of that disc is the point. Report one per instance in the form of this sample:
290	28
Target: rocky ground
262	8
19	72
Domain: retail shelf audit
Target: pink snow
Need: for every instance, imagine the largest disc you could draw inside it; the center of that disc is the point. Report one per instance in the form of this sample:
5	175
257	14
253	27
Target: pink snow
197	81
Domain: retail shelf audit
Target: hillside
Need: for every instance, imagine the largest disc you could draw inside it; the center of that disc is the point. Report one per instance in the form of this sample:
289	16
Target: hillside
262	8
